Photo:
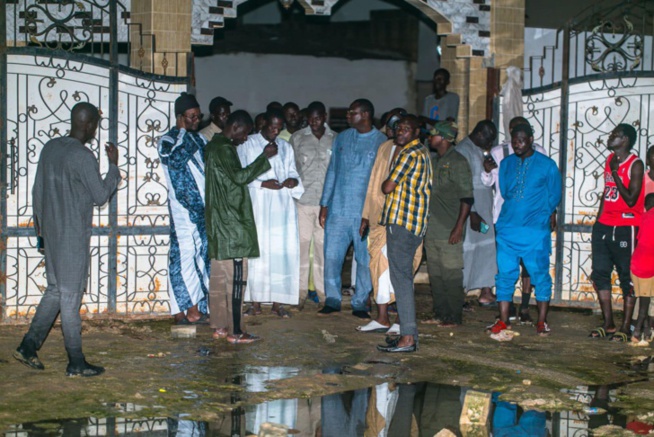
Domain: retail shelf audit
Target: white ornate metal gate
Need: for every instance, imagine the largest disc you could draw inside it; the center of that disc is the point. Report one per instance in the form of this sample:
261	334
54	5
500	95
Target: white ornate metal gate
129	245
599	74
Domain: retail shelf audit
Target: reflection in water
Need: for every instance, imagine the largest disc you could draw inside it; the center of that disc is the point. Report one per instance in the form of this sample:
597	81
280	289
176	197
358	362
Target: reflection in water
386	410
511	421
282	411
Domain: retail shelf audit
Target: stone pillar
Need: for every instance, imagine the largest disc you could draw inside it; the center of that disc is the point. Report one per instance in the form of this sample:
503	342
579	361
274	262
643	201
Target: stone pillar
162	44
468	73
458	68
508	33
467	79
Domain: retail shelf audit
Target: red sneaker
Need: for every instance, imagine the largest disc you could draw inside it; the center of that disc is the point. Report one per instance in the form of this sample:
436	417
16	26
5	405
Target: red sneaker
542	329
497	327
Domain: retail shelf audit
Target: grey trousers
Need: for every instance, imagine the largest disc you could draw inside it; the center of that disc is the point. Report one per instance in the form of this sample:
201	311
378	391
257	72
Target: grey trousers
402	245
52	303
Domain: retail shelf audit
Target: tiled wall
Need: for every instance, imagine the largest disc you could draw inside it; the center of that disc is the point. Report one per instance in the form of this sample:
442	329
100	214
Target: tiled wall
479	33
170	21
508	33
468	69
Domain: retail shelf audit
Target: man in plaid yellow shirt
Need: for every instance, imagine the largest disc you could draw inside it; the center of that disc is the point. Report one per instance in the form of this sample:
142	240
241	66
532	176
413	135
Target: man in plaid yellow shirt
405	215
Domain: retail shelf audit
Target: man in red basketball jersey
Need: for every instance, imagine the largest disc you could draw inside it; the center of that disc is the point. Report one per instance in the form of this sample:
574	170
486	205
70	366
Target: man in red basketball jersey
614	232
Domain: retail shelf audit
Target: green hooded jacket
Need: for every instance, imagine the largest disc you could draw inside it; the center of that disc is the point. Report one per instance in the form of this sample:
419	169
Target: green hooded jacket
229	219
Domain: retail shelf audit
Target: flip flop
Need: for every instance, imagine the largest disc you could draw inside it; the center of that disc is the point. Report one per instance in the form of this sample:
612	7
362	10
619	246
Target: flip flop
281	312
373	326
488	304
394	329
203	320
619	337
183	322
251	312
600	333
220	333
243	338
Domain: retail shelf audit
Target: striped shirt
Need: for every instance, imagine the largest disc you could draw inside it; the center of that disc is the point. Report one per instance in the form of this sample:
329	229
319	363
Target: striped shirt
408	204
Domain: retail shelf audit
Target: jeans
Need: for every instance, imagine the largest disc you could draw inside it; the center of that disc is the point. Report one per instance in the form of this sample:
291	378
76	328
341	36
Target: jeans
402	245
339	233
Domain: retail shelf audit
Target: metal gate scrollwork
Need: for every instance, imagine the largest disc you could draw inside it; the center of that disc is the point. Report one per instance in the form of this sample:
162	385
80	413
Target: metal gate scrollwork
606	76
40	85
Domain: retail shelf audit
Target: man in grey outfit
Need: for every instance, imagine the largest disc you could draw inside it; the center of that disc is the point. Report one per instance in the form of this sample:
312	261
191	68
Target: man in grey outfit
67	186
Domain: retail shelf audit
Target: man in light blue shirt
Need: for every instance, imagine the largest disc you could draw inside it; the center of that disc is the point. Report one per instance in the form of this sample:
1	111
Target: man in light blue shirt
344	192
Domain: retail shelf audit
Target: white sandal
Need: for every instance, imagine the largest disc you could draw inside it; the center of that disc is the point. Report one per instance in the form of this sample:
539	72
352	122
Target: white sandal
394	329
372	326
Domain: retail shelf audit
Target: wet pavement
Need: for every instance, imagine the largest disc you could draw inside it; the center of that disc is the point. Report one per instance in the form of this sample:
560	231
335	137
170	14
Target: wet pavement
315	373
383	410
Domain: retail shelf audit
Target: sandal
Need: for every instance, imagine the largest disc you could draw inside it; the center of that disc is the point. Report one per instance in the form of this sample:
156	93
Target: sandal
373	326
543	329
243	338
203	320
220	333
600	333
492	304
251	312
393	330
183	322
619	337
281	312
525	318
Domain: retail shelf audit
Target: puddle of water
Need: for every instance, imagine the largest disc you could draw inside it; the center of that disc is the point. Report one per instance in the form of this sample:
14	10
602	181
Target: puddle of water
254	378
385	410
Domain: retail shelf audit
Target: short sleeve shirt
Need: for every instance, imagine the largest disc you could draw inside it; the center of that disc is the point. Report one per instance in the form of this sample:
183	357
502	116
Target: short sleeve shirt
452	181
443	108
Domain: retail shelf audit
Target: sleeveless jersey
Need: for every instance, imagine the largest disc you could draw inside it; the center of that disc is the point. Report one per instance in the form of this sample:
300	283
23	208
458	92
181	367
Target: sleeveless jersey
616	212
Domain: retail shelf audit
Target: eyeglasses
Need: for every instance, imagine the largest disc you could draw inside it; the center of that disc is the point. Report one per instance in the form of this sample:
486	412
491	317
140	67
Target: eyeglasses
194	117
353	111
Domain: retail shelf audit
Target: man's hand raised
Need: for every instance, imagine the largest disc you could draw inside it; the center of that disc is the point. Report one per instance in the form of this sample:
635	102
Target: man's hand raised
270	150
489	164
112	153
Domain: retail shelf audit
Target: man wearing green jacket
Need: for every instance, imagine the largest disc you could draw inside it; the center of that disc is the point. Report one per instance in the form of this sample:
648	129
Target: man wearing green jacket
230	224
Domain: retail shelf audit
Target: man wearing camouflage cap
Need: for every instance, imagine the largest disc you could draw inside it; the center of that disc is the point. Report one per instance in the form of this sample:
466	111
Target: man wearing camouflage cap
449	207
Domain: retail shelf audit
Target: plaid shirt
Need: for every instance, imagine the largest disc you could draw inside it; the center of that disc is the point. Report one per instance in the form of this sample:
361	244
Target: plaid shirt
408	204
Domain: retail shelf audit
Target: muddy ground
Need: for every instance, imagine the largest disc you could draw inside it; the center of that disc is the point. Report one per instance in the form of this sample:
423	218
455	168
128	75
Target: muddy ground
463	356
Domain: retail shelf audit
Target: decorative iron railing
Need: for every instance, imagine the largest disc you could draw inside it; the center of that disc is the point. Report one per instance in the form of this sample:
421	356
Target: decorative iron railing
40	81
